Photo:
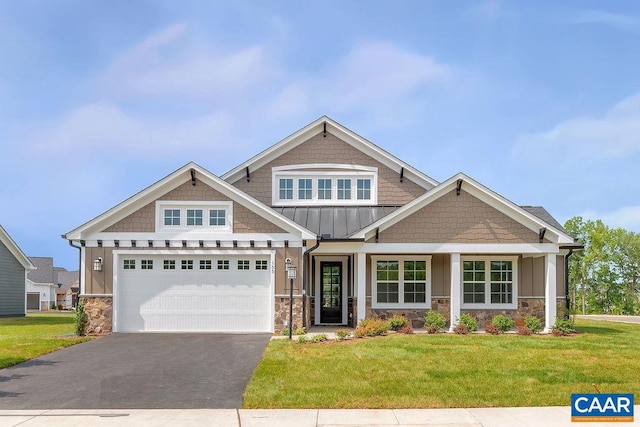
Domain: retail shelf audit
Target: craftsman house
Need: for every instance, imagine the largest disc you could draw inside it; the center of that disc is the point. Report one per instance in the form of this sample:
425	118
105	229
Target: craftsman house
368	234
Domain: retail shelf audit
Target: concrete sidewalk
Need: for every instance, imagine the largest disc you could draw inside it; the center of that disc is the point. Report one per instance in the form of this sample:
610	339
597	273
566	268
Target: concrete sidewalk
479	417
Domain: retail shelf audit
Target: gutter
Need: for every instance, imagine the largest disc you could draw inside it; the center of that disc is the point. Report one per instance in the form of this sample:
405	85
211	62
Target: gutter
305	259
79	266
572	248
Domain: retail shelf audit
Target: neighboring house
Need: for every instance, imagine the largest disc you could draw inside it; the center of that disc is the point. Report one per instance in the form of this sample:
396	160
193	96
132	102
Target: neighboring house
41	284
14	265
369	234
68	284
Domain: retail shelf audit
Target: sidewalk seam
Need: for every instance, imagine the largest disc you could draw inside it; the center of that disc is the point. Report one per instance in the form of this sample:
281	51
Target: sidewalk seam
33	417
238	416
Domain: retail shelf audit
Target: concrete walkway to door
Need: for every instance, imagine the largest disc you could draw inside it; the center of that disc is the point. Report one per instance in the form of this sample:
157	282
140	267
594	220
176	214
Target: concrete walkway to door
137	371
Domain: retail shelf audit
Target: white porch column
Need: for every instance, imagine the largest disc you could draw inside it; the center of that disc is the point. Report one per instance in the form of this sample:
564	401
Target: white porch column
549	292
361	285
455	290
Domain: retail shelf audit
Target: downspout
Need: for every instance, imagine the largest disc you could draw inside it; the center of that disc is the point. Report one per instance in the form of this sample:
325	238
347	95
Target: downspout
79	268
305	259
566	280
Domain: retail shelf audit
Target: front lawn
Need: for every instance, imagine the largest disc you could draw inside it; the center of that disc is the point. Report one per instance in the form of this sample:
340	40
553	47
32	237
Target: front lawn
23	338
437	371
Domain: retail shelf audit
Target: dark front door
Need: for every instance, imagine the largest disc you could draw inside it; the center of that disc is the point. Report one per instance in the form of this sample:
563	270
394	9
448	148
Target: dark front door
331	292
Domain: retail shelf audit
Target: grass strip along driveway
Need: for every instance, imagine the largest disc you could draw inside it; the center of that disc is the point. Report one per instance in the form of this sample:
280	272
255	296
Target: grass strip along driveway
437	371
23	338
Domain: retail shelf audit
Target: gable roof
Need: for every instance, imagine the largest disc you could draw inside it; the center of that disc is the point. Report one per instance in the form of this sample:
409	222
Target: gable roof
44	270
318	126
493	199
12	246
66	278
173	180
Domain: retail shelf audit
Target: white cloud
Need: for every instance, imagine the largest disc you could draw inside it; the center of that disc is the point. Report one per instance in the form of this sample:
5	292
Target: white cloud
627	217
594	16
614	135
172	63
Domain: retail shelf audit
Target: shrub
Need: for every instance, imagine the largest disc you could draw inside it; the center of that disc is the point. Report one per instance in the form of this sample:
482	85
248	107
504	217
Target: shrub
407	330
533	323
503	323
523	330
470	322
359	332
461	329
285	331
319	338
81	319
562	327
53	305
302	339
371	327
432	329
397	322
492	329
432	320
299	331
342	334
59	306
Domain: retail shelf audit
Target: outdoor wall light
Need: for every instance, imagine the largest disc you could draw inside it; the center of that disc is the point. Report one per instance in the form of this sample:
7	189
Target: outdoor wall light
97	264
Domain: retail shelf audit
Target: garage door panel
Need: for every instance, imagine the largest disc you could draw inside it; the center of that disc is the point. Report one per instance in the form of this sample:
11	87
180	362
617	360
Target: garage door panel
177	300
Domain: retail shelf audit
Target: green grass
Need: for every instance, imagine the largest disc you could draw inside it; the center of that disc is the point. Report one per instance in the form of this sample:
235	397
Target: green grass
435	371
23	338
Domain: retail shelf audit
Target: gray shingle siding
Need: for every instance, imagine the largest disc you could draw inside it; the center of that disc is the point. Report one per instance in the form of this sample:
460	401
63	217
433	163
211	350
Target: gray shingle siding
12	284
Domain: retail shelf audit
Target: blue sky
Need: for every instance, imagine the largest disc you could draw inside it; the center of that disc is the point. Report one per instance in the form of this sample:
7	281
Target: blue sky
538	100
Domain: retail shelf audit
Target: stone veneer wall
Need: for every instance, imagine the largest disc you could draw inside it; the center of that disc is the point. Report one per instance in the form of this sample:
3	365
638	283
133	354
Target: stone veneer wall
99	312
526	307
282	313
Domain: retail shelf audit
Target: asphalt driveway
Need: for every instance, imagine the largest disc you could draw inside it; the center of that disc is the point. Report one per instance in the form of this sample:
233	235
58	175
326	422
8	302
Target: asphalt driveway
137	371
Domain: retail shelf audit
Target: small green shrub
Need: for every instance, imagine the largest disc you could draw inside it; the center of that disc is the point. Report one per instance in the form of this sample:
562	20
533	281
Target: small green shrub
533	323
492	329
461	329
397	322
523	330
407	330
432	320
299	331
53	305
562	327
371	327
81	319
342	334
503	323
302	339
470	322
319	338
285	331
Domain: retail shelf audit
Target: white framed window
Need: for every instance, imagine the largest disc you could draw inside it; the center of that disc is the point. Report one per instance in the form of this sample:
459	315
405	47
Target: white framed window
172	217
217	217
169	264
344	189
401	282
243	264
261	264
146	264
185	216
324	184
286	188
364	189
205	264
187	264
194	216
305	189
223	264
129	264
489	282
324	189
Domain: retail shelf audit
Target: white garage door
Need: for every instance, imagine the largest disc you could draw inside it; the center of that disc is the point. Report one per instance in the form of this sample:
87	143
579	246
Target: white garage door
204	293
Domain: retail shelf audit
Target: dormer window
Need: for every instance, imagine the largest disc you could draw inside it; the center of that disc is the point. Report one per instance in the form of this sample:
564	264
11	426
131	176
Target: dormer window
324	184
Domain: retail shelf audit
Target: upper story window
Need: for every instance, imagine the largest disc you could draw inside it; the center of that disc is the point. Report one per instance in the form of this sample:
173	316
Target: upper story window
194	216
324	184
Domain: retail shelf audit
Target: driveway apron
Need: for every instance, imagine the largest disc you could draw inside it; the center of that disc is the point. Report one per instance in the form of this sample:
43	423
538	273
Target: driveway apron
137	371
